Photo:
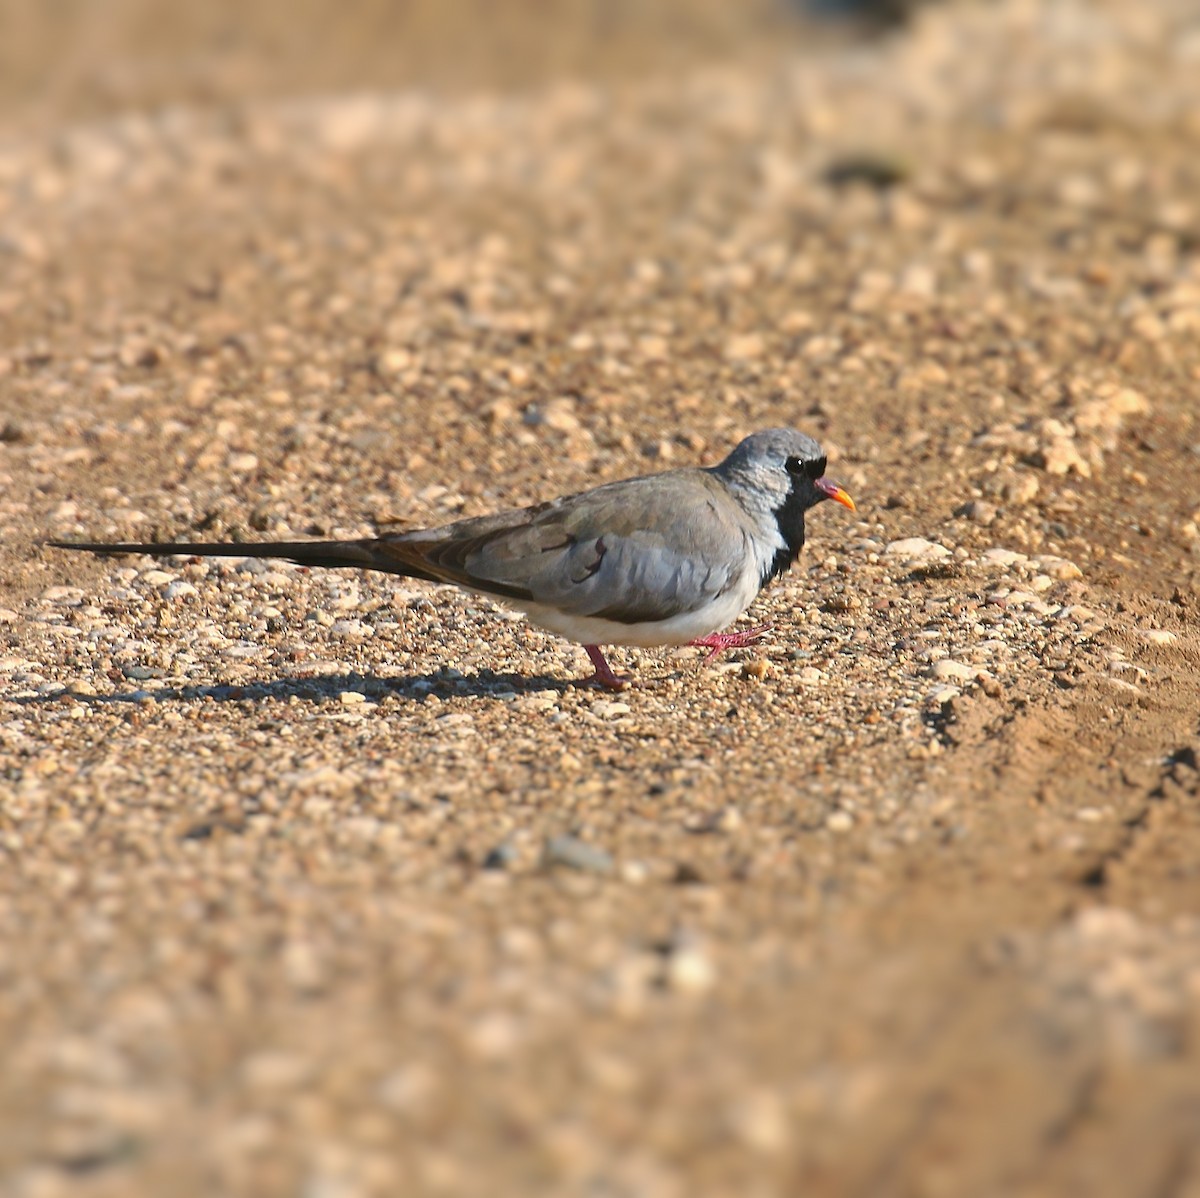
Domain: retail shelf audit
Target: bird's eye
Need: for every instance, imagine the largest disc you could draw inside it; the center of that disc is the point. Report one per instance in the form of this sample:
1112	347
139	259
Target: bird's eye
805	467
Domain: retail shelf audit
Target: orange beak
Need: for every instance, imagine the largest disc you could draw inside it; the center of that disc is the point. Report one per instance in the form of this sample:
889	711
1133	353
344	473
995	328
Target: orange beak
832	491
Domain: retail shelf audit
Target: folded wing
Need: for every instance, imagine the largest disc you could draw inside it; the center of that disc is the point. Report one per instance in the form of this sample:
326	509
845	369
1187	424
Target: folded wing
633	552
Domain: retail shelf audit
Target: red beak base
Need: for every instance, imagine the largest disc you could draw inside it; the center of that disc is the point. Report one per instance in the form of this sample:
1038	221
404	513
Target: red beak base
838	494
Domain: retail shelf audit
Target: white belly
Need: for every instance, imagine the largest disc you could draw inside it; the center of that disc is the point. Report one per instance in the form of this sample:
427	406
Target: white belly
678	630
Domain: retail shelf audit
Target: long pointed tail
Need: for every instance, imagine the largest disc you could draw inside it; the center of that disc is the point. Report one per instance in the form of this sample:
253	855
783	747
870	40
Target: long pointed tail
361	555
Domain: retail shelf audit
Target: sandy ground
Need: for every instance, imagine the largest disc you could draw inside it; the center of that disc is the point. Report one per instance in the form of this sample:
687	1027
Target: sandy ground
328	885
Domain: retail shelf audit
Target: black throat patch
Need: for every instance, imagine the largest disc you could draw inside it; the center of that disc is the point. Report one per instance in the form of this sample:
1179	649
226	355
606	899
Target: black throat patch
790	519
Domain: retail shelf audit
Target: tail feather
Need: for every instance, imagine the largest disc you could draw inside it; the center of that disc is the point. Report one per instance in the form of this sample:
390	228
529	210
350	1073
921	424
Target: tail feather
361	555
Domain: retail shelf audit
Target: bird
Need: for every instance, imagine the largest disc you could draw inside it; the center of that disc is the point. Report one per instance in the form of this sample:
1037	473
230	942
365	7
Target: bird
671	558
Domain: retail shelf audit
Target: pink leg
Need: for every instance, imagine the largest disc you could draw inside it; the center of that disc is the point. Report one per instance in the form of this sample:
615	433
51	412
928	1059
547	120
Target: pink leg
604	676
718	642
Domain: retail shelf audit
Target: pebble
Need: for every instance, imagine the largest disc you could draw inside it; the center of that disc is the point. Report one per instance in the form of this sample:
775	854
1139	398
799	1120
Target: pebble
408	1089
500	857
1020	489
1159	636
1058	568
728	819
572	853
839	822
1003	557
351	629
534	704
60	594
610	709
759	1120
689	970
1060	456
634	873
1077	613
303	966
745	346
493	1036
947	669
916	549
275	1071
756	668
979	511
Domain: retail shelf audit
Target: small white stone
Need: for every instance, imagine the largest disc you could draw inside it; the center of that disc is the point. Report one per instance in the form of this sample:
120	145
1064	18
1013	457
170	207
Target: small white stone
1159	636
1106	925
839	821
1002	557
810	676
408	1088
302	966
1060	455
760	1121
634	873
65	511
728	819
1058	568
493	1036
916	549
690	971
70	596
1020	490
351	629
1077	613
949	670
1122	667
276	1071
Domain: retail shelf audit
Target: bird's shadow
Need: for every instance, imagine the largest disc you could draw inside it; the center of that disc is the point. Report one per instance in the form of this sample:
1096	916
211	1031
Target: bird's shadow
327	688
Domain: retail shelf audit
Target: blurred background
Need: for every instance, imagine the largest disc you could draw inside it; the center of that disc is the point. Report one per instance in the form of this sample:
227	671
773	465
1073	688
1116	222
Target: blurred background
79	59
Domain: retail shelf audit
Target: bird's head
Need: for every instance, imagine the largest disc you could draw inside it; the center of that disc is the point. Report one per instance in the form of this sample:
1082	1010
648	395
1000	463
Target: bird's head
780	468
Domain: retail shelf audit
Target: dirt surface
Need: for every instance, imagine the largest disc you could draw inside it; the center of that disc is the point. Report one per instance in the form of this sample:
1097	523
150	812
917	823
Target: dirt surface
322	884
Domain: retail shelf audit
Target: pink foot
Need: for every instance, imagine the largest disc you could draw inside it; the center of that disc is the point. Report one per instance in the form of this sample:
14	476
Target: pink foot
604	676
718	642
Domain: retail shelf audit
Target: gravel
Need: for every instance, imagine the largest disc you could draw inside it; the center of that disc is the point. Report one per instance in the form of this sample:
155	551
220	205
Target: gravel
338	885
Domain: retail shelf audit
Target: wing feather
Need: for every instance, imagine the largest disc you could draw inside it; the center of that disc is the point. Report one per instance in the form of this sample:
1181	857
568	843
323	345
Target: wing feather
632	552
